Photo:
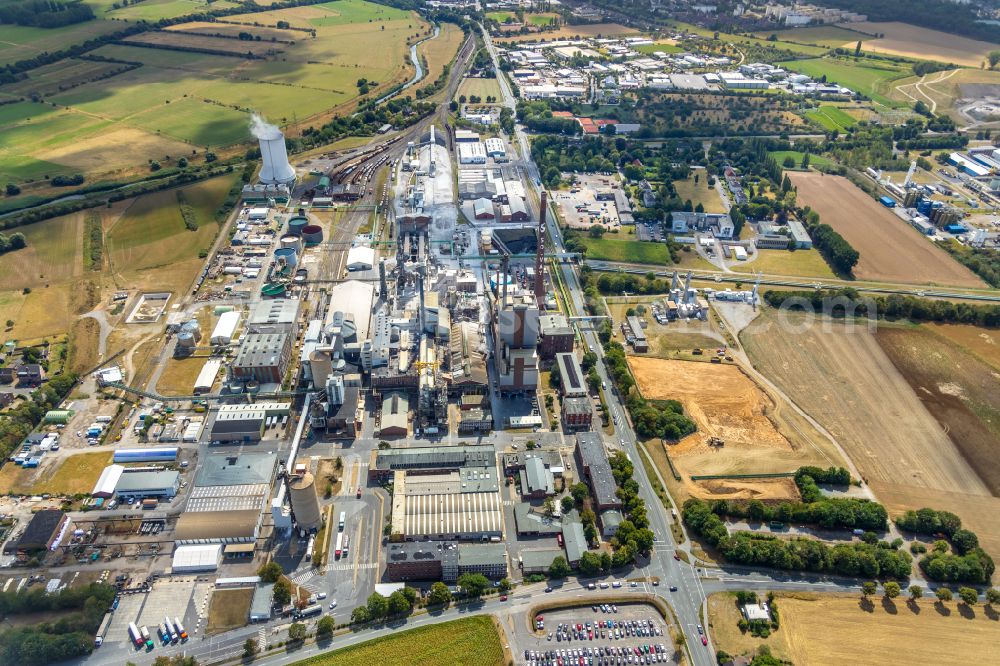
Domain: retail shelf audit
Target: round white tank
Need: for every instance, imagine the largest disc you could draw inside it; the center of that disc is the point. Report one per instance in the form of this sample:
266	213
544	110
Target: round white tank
186	339
305	503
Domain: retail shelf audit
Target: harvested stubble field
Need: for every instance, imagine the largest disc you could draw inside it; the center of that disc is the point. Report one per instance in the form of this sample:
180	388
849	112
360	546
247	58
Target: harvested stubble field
890	249
910	41
842	377
835	629
571	32
234	30
180	41
761	434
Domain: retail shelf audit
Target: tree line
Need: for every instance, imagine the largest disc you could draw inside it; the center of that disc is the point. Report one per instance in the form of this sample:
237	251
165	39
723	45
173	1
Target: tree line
848	302
68	637
967	564
840	254
15	242
982	261
879	560
25	417
45	13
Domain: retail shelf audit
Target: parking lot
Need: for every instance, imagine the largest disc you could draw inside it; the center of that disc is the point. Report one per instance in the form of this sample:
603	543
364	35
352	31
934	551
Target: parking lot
598	635
166	598
581	208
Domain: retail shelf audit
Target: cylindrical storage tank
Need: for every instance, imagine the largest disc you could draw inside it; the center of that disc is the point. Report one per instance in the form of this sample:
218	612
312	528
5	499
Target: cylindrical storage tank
222	309
312	234
296	223
274	289
286	256
186	340
305	503
236	388
232	270
292	241
192	328
252	386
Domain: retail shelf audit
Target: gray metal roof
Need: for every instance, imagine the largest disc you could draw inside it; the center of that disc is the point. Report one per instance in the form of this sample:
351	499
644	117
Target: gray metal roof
542	557
573	537
530	521
422	551
570	374
443	457
395	410
274	311
260	606
538	477
220	469
480	554
259	350
131	482
595	456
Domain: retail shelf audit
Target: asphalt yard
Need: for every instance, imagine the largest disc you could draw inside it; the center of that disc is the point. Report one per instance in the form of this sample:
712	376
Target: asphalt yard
599	635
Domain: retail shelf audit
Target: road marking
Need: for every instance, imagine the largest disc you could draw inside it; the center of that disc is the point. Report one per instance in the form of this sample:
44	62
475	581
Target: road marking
354	567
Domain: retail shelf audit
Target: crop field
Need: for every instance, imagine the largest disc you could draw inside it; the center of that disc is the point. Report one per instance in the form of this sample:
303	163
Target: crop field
433	645
729	38
842	377
983	343
957	388
55	78
890	249
153	10
483	88
21	42
179	100
442	50
872	79
233	30
831	118
573	31
800	263
726	403
820	629
181	40
830	36
699	193
910	41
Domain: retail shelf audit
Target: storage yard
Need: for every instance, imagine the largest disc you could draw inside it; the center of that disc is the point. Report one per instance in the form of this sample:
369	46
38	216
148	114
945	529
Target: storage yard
890	249
834	629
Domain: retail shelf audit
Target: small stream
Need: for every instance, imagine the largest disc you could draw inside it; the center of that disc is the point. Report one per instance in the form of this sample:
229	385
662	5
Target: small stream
415	59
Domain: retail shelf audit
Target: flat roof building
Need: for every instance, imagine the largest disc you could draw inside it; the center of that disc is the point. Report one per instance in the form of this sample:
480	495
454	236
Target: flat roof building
460	505
263	357
238	426
190	559
555	336
260	605
148	484
489	559
274	311
571	380
592	459
471	153
420	560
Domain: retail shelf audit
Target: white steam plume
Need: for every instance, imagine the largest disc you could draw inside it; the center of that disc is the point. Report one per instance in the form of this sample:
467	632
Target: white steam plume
262	129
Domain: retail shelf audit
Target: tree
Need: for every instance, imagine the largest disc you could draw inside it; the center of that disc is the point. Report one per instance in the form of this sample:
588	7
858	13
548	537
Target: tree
805	161
270	572
868	588
398	603
297	632
378	606
154	166
325	627
360	615
211	157
857	49
473	584
916	592
440	595
993	596
590	564
994	58
943	594
13	189
891	589
411	595
968	595
788	162
559	567
182	162
504	585
250	649
549	507
580	492
282	593
596	231
566	502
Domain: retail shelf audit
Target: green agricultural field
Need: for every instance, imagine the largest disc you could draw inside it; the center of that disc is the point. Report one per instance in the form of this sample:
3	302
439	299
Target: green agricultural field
871	79
632	251
433	645
815	160
483	88
831	118
802	49
800	263
659	47
154	10
345	12
831	36
18	42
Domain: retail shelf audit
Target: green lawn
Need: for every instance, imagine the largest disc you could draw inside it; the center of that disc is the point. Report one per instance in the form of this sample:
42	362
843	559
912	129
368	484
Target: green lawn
815	160
802	49
609	248
800	263
357	11
699	193
659	47
469	640
831	118
871	79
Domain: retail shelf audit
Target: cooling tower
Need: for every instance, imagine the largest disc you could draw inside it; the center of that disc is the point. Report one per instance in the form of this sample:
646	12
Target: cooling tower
305	504
275	168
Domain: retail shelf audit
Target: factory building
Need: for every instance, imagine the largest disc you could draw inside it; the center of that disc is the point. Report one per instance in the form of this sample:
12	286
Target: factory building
360	259
496	149
224	329
555	336
263	357
471	153
536	480
517	336
274	312
636	335
719	224
468	373
44	532
394	416
243	425
142	485
488	559
383	464
227	500
108	481
577	413
206	376
592	460
529	522
408	561
538	560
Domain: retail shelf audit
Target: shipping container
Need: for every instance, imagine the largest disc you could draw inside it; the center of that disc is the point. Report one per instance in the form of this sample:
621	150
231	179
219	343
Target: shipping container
135	634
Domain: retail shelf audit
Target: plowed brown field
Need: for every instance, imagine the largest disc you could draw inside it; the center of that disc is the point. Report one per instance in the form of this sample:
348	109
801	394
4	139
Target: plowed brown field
890	249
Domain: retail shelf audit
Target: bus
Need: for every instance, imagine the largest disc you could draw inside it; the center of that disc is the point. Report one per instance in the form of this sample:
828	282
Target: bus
134	634
343	552
339	550
343	519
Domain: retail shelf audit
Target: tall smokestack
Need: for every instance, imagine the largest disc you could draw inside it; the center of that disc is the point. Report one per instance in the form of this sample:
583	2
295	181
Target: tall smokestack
540	255
381	278
420	289
505	277
275	168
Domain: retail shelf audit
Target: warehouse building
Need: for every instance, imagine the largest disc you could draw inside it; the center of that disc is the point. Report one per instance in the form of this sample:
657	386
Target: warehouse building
196	559
536	480
571	381
394	416
496	149
207	375
225	328
45	531
538	560
529	522
263	357
638	336
592	460
471	153
462	504
262	602
141	485
482	209
360	259
274	312
383	465
108	481
574	539
161	454
238	423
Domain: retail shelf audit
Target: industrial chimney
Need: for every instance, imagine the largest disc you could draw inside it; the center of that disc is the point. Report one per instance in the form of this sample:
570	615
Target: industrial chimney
540	255
275	169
